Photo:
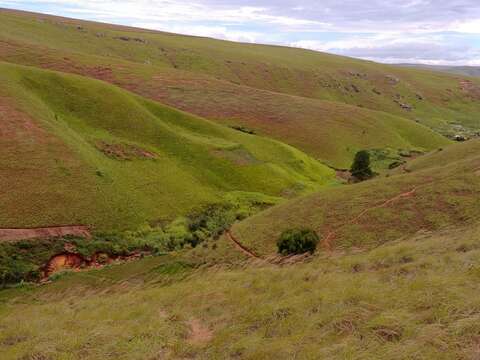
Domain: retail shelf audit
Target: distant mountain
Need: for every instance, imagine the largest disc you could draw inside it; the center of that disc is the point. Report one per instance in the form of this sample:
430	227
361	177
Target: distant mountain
459	70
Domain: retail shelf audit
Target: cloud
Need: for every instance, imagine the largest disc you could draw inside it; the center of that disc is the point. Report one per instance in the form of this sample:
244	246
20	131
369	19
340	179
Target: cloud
168	10
218	32
434	49
396	30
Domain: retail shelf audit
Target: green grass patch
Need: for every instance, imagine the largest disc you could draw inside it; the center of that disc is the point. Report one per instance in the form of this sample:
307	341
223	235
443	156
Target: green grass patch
68	116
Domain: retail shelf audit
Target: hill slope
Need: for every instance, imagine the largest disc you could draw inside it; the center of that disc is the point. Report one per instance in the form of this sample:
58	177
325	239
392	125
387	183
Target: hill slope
76	150
459	70
188	72
395	276
414	298
438	190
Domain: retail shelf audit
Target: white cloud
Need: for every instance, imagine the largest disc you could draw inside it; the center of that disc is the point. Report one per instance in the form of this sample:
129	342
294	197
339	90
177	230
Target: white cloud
169	10
433	49
218	32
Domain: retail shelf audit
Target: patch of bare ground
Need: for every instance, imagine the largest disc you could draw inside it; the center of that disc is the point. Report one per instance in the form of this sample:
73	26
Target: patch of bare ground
470	88
124	151
199	333
45	232
16	125
70	260
344	175
240	157
63	261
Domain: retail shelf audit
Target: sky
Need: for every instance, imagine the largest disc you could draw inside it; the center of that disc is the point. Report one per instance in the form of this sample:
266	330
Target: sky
437	32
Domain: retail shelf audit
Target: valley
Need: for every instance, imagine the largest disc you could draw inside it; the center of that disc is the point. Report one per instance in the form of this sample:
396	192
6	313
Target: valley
147	180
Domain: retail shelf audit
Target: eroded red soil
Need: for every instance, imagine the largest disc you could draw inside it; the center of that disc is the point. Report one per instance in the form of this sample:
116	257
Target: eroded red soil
46	232
68	260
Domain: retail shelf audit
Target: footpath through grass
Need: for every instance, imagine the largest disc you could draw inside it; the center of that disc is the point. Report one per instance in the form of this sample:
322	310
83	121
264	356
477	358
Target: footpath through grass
434	191
413	298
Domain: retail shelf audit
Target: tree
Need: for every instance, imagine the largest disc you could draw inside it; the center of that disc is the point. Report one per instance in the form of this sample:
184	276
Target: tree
361	166
297	241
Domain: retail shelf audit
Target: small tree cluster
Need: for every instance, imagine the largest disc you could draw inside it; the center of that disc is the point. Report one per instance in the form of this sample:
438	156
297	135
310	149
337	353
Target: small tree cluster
297	241
361	166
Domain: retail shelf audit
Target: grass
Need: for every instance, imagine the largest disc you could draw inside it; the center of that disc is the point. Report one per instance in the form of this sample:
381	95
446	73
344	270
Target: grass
446	193
396	287
64	117
392	279
412	298
249	85
26	260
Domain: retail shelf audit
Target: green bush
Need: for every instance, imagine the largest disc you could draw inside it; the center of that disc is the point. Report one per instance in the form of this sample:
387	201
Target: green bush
243	129
297	241
24	260
361	166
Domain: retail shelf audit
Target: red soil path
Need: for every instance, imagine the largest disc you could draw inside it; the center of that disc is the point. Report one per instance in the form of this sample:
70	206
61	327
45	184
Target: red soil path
46	232
242	248
328	240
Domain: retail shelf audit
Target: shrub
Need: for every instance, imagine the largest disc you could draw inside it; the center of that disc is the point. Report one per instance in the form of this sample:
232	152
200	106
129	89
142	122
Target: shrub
396	164
297	241
361	166
243	129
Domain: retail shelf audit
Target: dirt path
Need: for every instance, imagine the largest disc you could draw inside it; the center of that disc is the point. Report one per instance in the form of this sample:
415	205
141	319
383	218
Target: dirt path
328	240
242	248
199	333
46	232
276	259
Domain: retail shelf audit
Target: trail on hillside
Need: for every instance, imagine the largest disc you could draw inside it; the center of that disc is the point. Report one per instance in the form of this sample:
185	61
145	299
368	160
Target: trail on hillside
45	232
328	240
241	247
276	259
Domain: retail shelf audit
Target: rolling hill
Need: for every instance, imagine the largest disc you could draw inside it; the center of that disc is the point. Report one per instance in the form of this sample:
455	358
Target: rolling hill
180	160
80	151
416	297
250	85
435	191
459	70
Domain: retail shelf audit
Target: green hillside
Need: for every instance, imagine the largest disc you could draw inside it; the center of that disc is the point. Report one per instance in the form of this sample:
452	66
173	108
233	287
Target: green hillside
459	70
250	84
147	177
77	150
416	298
432	192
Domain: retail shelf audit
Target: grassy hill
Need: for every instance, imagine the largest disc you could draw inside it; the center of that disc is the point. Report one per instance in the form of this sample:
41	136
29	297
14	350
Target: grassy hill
77	150
160	142
251	84
438	190
399	284
413	298
459	70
